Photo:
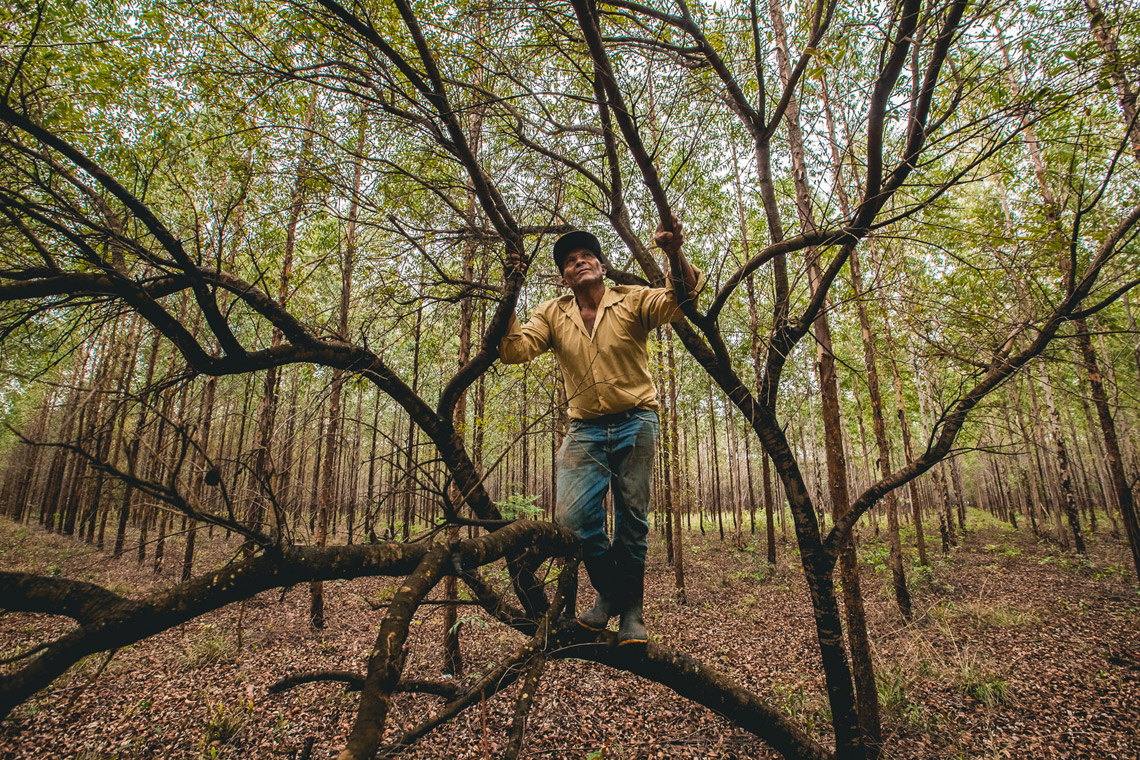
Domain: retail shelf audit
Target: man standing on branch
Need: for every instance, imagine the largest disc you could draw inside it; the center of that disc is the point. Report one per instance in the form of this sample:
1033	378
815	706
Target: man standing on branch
598	335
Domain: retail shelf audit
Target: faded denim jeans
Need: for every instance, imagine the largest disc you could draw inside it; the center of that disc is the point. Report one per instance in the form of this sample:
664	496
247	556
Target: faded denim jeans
616	454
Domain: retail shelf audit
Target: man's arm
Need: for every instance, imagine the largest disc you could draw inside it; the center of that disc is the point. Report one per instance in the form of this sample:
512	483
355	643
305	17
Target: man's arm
524	342
521	343
661	305
671	243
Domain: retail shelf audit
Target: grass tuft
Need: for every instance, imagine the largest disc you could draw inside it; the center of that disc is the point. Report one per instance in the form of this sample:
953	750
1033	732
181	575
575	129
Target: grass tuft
222	724
983	683
982	614
208	647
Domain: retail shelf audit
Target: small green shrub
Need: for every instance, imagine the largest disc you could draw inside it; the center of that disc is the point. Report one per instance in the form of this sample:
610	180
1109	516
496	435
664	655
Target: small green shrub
520	507
921	578
139	706
892	684
1110	570
793	699
222	724
878	556
474	620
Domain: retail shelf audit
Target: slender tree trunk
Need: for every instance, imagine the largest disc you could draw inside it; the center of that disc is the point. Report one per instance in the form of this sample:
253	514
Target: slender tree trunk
757	362
1083	486
130	362
157	469
1115	463
262	463
751	486
205	425
714	460
288	488
411	459
700	483
1061	450
395	478
862	666
768	516
865	459
1106	37
329	473
133	450
664	471
675	475
878	422
370	508
733	459
452	653
1034	498
904	425
1095	443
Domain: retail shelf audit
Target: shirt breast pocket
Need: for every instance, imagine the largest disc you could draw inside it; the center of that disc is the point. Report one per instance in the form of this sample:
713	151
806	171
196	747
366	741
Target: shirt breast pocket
627	326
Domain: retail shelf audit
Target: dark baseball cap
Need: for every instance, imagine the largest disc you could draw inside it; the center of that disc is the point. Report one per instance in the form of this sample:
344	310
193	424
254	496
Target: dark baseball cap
572	241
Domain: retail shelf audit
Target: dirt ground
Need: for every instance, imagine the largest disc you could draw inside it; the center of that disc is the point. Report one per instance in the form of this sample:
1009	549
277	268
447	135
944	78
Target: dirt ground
1016	650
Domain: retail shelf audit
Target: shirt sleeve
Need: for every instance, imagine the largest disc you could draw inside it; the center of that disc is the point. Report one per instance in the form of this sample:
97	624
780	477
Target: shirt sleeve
524	342
660	304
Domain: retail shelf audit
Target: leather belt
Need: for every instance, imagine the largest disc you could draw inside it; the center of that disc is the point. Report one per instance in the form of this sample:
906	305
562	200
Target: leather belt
609	419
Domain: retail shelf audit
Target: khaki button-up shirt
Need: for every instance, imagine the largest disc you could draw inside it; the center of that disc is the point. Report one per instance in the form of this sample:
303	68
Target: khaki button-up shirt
607	371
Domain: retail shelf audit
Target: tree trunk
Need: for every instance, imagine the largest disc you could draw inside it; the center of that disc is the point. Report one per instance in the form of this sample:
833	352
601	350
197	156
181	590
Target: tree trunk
1106	37
1061	450
411	459
862	667
714	461
1120	484
332	434
883	462
664	471
675	475
904	425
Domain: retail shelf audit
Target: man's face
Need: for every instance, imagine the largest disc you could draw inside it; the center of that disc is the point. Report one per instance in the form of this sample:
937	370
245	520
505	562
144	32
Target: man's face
581	267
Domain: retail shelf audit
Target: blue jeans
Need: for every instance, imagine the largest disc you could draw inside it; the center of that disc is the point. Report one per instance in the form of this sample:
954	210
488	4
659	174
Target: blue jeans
616	454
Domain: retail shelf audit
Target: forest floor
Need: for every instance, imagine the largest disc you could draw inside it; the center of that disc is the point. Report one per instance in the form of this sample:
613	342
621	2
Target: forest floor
1016	649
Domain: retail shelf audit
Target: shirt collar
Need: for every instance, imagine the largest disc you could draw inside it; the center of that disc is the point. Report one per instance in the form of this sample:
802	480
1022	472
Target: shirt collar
569	307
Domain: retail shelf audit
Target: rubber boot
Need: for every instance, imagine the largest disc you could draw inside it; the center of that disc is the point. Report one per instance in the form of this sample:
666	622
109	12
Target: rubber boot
601	571
631	630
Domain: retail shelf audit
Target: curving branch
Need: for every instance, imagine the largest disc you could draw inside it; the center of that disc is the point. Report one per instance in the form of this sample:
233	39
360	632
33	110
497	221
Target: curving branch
169	495
139	209
507	670
108	621
82	601
588	23
523	705
447	689
386	660
431	86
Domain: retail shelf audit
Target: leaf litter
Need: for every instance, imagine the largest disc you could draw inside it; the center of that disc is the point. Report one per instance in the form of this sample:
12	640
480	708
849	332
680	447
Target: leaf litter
1016	650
